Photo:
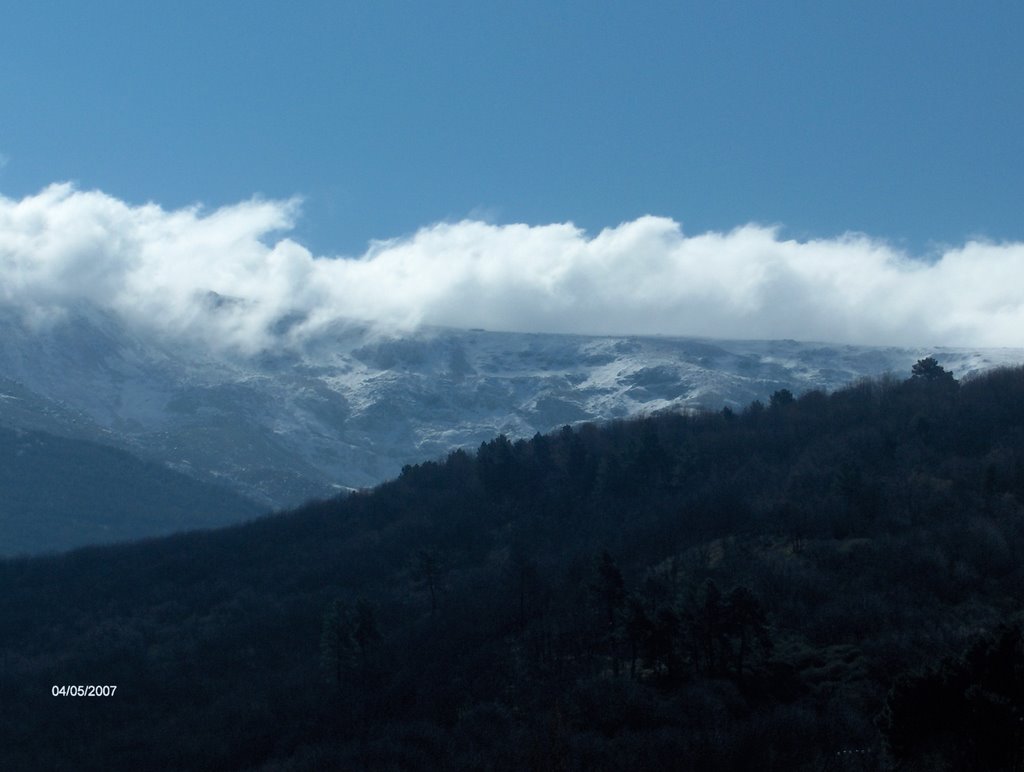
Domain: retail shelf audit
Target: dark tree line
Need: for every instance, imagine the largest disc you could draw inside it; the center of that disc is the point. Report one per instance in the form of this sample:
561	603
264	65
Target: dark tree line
822	581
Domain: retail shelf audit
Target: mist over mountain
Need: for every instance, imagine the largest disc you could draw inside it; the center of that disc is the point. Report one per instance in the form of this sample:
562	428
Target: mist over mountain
353	404
212	343
233	279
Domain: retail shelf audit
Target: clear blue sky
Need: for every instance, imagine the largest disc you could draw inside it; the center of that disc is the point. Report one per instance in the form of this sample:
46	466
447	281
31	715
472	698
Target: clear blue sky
902	120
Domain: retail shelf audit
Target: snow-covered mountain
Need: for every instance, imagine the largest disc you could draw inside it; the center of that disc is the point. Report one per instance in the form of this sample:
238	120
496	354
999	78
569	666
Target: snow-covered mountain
348	408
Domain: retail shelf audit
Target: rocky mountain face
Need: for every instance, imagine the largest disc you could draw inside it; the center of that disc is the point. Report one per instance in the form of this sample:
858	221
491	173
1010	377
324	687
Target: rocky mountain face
349	408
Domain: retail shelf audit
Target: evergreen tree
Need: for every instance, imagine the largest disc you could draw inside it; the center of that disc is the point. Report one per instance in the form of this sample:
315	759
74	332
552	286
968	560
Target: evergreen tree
929	369
336	644
747	626
610	590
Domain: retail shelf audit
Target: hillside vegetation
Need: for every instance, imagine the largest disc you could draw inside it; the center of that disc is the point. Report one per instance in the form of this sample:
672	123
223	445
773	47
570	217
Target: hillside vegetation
823	582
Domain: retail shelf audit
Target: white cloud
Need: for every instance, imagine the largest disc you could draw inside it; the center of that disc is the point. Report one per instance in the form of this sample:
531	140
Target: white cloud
158	268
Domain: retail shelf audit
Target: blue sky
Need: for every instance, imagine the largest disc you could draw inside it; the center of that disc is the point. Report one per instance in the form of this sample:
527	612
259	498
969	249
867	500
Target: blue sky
899	120
843	171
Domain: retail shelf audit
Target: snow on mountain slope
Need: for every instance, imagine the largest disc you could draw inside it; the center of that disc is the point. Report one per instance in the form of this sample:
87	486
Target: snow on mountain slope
353	405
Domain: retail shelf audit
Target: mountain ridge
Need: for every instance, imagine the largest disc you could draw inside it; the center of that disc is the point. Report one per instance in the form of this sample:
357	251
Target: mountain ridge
350	407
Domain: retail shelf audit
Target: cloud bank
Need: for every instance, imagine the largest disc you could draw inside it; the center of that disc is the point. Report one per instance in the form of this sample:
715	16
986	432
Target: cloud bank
232	277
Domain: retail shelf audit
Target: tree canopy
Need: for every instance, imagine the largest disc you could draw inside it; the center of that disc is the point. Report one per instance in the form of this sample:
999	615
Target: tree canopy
810	585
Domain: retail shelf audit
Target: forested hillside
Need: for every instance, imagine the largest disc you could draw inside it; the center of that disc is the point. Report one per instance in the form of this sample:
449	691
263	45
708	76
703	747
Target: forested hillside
827	581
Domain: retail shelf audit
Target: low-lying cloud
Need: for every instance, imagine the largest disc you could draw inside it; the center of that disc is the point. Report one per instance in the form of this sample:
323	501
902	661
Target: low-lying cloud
233	278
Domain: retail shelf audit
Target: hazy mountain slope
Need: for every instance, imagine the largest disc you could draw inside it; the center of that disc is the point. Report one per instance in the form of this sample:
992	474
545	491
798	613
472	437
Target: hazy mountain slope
57	493
350	407
25	409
